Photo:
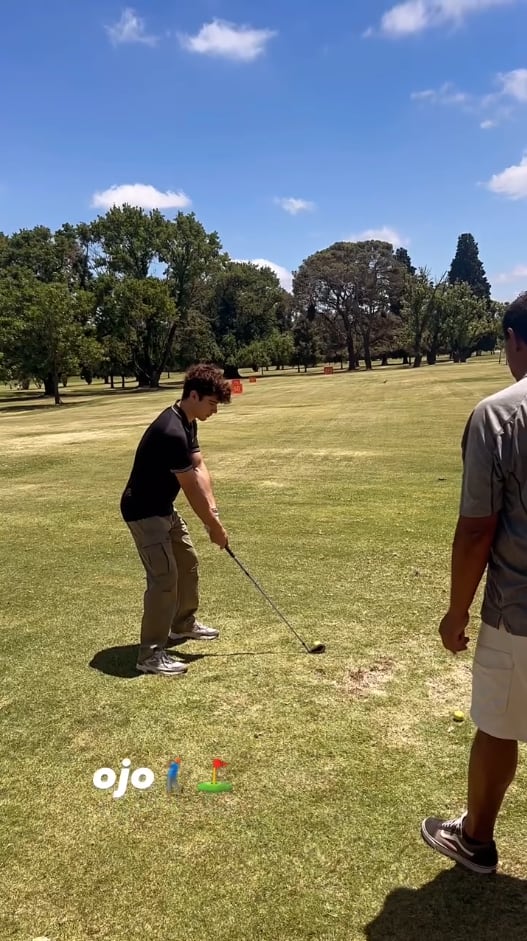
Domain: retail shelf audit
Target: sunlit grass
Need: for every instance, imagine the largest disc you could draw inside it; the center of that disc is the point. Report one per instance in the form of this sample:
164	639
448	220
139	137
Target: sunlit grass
340	494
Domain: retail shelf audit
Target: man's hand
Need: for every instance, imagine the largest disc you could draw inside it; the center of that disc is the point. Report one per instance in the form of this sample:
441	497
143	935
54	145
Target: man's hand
452	630
218	535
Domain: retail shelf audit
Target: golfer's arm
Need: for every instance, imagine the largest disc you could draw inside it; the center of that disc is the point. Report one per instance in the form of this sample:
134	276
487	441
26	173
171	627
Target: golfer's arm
192	486
204	478
470	554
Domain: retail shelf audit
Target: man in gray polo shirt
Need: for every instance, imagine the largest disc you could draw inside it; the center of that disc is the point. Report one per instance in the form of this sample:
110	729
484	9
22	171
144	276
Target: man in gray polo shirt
491	534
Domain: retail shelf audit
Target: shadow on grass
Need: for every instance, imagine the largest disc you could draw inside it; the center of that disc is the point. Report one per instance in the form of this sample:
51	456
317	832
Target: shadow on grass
121	661
456	905
26	407
33	401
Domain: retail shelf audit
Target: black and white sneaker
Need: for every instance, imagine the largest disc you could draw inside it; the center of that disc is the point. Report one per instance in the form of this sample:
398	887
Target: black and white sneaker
160	662
448	838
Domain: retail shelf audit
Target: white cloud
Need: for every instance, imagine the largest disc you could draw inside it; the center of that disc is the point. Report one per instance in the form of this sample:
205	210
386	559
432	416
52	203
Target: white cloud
384	234
514	84
512	182
139	194
240	43
129	29
492	108
405	18
415	16
294	206
283	274
445	95
519	273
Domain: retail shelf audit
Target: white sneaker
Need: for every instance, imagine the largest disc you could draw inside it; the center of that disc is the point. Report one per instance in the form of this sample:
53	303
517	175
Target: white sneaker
197	632
160	662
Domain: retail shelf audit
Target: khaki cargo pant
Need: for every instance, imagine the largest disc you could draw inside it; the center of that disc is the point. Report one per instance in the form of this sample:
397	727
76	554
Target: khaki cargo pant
171	598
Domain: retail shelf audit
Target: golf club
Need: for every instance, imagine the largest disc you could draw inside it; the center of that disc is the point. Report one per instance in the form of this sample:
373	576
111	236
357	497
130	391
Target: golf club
319	648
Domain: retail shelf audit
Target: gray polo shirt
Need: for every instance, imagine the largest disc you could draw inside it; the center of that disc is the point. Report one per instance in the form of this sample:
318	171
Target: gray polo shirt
494	449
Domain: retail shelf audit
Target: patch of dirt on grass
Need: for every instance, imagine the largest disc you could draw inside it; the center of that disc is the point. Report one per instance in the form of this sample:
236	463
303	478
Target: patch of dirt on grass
83	741
368	681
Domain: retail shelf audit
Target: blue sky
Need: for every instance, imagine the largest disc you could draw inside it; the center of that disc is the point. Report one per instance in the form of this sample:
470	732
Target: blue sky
285	127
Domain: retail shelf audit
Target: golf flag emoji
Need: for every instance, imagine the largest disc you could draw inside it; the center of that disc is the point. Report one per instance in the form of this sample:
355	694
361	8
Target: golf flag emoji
215	786
217	763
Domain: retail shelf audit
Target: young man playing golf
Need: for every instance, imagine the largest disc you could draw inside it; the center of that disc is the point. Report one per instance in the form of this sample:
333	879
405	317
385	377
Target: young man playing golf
491	532
167	460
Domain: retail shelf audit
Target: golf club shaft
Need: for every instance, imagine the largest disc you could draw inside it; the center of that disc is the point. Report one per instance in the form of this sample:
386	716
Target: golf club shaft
266	596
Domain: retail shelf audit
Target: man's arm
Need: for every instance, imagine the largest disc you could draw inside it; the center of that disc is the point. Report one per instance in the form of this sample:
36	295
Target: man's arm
470	554
481	503
191	483
204	478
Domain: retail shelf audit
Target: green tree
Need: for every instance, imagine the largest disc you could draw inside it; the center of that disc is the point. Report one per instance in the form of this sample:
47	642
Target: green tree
193	259
195	342
285	312
77	246
324	287
380	282
47	340
255	356
331	340
420	302
126	241
306	347
467	268
404	260
354	285
243	308
39	256
146	311
280	349
17	293
466	320
230	355
51	257
114	330
33	251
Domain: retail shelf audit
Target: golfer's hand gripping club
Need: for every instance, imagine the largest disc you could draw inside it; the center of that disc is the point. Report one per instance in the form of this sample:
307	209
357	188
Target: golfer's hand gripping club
217	533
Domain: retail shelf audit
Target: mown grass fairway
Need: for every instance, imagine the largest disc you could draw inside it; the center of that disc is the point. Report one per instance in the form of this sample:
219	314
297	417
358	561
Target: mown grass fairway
340	494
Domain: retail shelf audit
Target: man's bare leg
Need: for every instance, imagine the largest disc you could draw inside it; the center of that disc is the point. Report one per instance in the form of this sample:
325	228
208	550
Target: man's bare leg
492	767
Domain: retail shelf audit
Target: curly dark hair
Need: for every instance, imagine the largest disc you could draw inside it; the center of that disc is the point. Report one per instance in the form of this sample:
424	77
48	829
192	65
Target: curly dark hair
207	380
516	317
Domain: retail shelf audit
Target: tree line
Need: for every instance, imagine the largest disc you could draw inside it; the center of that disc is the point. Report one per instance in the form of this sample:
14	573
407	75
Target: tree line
135	294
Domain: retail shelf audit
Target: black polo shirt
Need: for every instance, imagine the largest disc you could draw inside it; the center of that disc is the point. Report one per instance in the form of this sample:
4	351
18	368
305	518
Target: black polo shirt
165	449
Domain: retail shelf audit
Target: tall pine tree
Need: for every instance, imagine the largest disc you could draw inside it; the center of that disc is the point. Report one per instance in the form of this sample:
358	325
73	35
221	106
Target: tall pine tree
404	259
467	268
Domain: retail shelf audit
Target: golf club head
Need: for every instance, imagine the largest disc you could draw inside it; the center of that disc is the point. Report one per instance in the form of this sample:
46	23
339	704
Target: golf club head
319	648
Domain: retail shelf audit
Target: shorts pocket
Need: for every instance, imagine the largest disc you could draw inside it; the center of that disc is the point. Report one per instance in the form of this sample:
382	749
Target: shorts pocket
492	680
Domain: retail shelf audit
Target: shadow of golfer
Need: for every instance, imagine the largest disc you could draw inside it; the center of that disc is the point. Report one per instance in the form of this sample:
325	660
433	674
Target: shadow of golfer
456	905
121	661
